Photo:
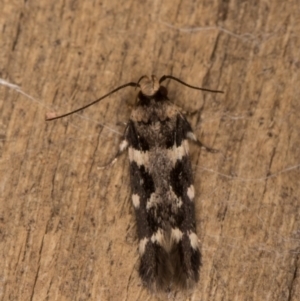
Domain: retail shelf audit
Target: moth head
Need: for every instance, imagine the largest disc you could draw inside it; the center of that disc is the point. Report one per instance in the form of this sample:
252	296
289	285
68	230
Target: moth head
150	86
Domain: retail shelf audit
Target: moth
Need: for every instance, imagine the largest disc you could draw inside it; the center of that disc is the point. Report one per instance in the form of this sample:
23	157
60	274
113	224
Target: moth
161	177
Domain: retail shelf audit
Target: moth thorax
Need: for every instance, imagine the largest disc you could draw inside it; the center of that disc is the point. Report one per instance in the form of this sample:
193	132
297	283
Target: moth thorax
149	86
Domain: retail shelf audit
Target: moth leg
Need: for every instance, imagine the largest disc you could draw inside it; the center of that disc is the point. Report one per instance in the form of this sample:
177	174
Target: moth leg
191	136
186	132
192	113
184	112
122	147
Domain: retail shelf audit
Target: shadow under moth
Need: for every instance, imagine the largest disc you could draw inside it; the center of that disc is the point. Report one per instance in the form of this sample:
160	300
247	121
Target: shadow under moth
156	137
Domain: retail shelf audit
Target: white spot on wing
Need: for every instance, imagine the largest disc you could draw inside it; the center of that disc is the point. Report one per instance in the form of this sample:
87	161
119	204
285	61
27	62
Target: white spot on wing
140	158
142	245
191	136
191	192
123	145
176	235
178	152
153	201
136	201
156	199
179	202
158	237
181	150
194	240
147	158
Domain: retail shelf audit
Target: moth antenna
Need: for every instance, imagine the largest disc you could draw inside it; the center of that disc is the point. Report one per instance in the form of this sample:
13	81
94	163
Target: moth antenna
142	77
164	77
131	84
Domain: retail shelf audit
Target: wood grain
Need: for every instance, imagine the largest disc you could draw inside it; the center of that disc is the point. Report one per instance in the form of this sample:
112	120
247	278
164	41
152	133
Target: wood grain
67	229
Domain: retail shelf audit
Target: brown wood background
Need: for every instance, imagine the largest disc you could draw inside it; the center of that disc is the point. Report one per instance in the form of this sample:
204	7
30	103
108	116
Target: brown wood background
67	229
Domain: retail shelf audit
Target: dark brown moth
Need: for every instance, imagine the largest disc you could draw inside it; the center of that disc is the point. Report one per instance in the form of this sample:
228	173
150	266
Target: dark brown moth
156	137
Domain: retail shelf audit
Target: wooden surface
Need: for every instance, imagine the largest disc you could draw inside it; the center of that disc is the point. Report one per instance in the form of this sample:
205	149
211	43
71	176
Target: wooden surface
67	228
